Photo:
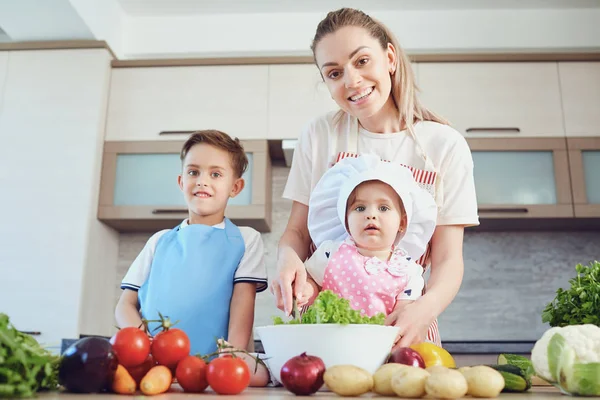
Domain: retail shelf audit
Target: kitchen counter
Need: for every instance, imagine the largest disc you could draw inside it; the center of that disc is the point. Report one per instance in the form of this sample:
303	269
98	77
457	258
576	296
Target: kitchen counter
537	392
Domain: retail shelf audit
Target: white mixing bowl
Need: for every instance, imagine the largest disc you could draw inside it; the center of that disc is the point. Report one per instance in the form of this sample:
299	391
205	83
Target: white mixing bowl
366	346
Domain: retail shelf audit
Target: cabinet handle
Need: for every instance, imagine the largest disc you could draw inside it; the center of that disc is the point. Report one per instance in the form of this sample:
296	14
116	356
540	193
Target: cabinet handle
519	210
175	133
169	211
494	130
32	333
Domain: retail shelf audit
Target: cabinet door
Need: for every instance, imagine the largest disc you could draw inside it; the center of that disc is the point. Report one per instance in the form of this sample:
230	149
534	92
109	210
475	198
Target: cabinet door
139	189
580	85
147	101
297	94
584	159
495	99
3	72
522	178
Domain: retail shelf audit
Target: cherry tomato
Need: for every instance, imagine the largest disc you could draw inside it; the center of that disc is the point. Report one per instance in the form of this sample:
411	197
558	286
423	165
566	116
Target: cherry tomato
191	374
169	347
139	371
228	375
131	345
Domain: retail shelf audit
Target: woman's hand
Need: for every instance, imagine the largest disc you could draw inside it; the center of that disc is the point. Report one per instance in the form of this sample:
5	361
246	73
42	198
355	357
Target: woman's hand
414	319
291	281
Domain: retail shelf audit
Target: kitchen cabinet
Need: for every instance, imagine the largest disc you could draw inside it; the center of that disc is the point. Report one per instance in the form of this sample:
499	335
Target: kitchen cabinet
56	259
139	190
297	94
584	160
147	101
580	87
522	178
495	99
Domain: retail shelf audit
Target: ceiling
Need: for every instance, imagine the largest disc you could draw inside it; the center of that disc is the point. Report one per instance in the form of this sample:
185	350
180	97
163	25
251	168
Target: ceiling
187	7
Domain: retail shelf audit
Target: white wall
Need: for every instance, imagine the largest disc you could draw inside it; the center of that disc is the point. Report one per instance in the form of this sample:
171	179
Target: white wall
418	30
56	260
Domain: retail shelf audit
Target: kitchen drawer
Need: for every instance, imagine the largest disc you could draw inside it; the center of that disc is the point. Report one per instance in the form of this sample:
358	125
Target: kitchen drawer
522	178
297	94
147	101
584	159
580	87
501	99
139	190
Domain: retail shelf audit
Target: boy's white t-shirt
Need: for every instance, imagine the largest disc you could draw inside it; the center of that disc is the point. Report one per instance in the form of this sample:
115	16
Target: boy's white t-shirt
251	269
447	148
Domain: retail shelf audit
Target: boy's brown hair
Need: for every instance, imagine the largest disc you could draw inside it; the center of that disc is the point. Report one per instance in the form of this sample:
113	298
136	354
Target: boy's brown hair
220	140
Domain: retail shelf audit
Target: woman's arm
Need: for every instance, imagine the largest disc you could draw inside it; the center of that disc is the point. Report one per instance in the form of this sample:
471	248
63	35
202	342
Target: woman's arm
447	267
292	250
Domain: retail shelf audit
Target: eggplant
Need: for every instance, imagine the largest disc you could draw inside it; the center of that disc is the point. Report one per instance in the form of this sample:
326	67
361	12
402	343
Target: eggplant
88	366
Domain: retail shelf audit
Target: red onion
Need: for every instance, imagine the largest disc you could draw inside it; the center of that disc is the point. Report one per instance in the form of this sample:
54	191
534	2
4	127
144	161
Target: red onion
407	356
303	374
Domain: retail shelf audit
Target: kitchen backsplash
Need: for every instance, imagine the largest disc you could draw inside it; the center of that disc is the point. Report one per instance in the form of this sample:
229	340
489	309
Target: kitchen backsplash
509	276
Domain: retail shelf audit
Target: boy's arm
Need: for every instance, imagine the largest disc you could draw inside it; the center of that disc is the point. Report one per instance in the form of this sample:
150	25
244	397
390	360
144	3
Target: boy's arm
241	314
127	313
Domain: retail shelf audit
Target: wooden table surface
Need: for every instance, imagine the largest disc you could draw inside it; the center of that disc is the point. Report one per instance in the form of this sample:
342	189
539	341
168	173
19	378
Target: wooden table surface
537	392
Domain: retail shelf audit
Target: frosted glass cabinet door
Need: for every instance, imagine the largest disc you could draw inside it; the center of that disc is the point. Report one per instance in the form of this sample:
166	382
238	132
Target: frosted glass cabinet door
521	177
584	160
151	180
139	190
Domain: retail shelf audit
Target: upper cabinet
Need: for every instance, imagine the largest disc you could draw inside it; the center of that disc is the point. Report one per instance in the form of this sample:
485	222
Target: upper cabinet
502	99
147	101
584	160
139	190
297	94
580	85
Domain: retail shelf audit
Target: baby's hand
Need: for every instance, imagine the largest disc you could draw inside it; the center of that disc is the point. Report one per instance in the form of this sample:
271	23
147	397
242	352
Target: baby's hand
307	292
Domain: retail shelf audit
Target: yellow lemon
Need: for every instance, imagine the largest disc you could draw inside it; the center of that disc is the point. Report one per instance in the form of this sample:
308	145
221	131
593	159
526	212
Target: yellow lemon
434	355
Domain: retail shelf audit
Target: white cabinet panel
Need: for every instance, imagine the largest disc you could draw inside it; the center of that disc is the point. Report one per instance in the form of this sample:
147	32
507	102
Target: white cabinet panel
501	99
580	85
3	73
146	101
297	94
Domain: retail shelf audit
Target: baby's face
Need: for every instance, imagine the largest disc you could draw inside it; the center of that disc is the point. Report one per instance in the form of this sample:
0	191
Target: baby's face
374	215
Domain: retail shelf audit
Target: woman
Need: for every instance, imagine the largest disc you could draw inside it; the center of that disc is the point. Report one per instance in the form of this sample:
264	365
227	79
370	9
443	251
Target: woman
370	78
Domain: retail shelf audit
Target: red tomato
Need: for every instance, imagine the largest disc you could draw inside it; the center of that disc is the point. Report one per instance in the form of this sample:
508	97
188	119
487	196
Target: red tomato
131	345
169	347
191	374
139	371
228	375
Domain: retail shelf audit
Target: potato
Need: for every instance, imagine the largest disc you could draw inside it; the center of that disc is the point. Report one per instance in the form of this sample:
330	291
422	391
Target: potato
383	376
437	368
463	369
449	384
348	380
484	381
409	382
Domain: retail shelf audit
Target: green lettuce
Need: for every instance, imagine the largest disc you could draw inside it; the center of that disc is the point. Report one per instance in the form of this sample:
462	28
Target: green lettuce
329	308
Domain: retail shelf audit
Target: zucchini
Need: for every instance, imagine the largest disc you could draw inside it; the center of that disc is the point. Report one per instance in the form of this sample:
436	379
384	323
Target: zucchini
518	361
515	379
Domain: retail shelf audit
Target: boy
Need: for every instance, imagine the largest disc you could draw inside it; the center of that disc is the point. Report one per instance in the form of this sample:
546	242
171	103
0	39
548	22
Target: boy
206	271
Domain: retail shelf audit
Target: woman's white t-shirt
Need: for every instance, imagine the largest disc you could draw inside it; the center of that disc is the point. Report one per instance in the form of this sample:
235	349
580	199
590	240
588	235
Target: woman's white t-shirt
448	150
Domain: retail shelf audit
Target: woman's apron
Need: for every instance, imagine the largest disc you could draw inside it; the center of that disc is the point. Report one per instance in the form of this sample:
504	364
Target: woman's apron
427	178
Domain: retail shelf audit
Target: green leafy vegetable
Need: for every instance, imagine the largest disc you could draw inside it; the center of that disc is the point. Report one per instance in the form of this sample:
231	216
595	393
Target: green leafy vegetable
25	367
580	304
329	308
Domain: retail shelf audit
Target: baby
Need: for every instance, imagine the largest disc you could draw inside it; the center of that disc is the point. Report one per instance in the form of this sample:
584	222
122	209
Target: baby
370	222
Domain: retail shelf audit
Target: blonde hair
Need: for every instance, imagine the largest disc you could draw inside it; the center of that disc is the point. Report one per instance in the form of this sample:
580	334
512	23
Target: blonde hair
404	88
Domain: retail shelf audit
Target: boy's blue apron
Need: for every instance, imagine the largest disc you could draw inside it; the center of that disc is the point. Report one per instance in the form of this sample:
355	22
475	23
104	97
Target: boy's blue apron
191	280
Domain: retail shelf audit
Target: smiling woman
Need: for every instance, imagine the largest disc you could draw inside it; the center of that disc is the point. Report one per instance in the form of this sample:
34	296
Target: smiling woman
371	80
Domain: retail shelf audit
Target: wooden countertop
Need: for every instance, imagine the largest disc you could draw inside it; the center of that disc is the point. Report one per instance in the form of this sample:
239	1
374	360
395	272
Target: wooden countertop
541	392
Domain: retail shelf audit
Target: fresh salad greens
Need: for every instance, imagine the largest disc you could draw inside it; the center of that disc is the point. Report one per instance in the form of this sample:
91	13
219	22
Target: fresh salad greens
580	304
25	367
329	308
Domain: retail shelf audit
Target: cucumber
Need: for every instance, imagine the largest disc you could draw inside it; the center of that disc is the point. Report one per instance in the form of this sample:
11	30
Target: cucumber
515	379
518	361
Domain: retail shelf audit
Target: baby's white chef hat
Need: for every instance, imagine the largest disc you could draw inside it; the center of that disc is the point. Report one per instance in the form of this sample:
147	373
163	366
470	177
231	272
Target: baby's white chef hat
327	204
